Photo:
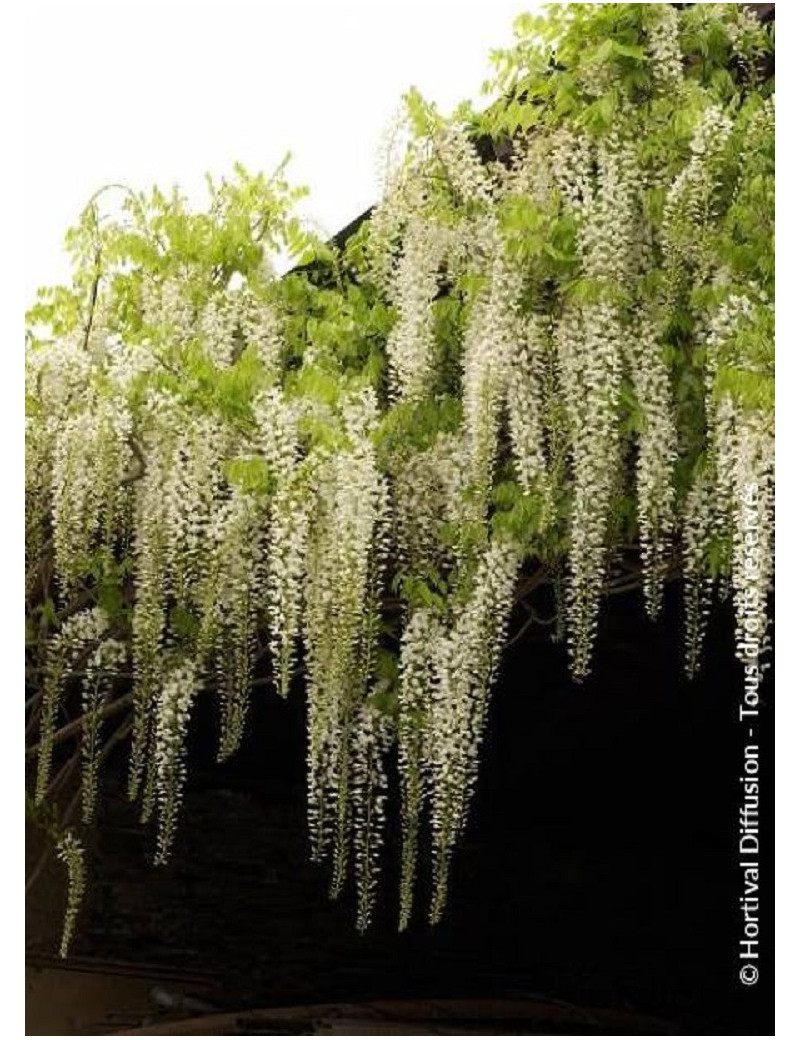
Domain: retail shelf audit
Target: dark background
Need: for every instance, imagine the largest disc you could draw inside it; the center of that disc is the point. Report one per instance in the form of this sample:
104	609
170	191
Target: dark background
599	866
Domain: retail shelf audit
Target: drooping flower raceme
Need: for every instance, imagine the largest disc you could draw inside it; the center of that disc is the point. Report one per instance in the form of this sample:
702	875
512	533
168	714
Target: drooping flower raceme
71	853
656	458
173	704
600	186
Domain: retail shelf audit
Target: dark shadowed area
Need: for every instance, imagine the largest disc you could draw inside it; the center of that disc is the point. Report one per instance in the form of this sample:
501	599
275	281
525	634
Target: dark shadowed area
598	872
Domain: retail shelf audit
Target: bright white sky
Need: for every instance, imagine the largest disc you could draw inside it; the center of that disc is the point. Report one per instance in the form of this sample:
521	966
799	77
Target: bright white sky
125	91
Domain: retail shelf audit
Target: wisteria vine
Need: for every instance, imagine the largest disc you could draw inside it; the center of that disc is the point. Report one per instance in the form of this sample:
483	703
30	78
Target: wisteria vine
551	346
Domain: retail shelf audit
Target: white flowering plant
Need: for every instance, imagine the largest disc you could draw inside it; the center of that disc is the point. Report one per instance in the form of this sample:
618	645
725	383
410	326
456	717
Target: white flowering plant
545	360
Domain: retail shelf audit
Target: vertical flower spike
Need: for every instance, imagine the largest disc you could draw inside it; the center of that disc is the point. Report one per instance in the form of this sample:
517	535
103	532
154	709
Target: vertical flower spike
107	659
420	636
90	459
600	188
410	347
288	531
70	851
150	557
468	177
76	640
218	326
191	495
371	738
742	443
263	331
346	525
655	462
285	571
428	493
172	706
663	45
689	202
229	607
464	660
491	340
39	441
526	383
698	528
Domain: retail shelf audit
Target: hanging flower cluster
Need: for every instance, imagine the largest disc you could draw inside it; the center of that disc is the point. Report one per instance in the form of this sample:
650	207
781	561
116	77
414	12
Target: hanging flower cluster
490	342
288	532
526	407
550	347
446	672
656	458
234	586
742	446
173	704
79	641
71	853
179	539
688	209
101	668
411	346
599	184
698	530
664	46
428	496
372	738
343	581
87	499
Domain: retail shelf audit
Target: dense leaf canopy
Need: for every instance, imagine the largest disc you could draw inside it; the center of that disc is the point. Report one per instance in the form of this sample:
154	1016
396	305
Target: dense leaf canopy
545	359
